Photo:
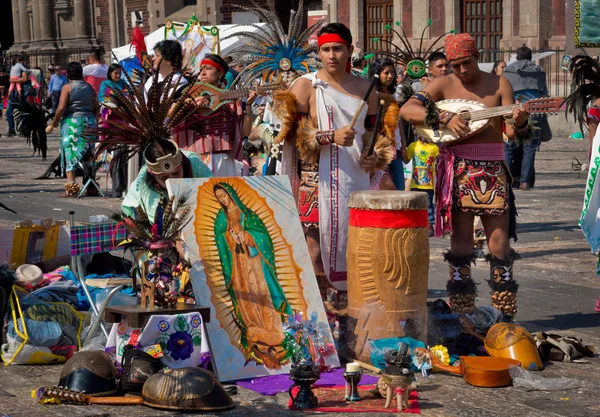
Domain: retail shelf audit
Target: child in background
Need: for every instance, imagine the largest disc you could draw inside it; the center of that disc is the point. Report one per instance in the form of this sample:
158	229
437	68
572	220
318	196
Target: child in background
381	180
423	156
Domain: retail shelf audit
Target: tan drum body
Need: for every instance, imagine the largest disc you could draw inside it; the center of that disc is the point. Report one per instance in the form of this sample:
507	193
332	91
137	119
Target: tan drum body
388	267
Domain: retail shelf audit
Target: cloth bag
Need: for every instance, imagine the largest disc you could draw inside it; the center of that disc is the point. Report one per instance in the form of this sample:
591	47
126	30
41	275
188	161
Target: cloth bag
545	131
39	332
182	338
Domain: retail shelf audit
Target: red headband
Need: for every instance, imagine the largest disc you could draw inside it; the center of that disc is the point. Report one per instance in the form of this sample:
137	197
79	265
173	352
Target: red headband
331	37
213	64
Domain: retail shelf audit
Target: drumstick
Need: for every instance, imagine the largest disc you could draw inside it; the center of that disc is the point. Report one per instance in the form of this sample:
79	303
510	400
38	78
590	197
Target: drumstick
377	126
364	365
364	101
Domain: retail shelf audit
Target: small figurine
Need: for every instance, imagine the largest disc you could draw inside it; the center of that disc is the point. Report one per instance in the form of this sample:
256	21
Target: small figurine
397	376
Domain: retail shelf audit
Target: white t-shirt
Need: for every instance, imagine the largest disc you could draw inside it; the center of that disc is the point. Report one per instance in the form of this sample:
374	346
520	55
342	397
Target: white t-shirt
95	70
177	79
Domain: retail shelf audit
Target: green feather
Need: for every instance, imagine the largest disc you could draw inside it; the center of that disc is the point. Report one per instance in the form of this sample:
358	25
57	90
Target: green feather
387	27
453	31
375	39
429	22
397	23
369	56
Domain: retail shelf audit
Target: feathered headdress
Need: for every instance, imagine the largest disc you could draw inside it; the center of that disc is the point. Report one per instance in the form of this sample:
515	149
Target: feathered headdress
270	50
585	86
405	55
171	216
140	118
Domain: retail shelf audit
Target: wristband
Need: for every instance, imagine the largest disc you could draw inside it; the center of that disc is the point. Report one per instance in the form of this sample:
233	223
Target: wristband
324	137
445	117
422	96
520	130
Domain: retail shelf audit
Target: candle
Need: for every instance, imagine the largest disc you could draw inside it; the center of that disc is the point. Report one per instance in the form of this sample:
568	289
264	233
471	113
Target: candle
353	367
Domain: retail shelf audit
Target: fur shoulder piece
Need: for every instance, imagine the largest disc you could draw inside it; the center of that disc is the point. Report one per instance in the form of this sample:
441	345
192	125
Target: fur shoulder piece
284	107
308	147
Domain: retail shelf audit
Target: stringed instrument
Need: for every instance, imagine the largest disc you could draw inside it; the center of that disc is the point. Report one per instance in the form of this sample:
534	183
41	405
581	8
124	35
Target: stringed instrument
478	116
70	396
479	371
217	97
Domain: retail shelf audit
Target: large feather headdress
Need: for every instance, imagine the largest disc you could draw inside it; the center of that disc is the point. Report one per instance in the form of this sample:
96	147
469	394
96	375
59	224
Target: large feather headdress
141	118
405	54
585	87
270	50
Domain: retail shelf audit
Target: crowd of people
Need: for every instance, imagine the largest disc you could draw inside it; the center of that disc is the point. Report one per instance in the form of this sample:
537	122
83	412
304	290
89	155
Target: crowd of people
330	152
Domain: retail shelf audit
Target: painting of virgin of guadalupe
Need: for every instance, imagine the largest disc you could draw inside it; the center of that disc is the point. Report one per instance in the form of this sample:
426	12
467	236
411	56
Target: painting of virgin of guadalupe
253	272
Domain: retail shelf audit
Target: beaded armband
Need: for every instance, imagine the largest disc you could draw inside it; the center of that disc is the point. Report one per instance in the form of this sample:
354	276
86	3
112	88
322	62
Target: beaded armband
422	96
324	137
445	117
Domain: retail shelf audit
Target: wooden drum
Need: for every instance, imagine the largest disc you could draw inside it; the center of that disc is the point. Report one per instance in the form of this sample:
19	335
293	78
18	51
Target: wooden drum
388	266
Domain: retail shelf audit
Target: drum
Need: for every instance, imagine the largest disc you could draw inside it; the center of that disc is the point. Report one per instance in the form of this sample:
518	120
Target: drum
388	266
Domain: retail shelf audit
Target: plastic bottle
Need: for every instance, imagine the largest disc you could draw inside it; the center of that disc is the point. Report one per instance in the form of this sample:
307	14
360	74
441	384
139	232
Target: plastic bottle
98	218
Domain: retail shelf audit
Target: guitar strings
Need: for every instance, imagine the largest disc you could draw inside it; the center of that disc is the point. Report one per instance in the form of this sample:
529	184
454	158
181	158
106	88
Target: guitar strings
494	112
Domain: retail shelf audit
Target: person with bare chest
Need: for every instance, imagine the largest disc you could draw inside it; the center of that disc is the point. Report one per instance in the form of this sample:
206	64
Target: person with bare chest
472	178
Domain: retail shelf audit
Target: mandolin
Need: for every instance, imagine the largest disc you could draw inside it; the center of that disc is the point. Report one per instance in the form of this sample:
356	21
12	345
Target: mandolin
478	116
218	97
64	395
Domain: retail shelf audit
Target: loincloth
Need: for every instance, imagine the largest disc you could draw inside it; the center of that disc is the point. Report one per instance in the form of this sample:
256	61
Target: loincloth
473	179
308	197
480	187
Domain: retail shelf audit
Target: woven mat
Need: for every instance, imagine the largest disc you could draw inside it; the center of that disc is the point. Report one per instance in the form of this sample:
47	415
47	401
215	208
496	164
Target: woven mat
331	399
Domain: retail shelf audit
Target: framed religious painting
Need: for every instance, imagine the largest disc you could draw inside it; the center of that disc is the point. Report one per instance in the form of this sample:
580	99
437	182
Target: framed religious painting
250	264
587	14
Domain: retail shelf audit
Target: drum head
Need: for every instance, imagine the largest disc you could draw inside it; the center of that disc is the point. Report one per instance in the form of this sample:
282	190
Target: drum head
389	200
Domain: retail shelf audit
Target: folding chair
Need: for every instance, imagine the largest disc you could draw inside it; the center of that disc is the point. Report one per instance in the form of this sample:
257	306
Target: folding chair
90	169
88	240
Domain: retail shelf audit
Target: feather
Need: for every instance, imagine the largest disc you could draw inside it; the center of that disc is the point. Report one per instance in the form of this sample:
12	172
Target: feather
141	119
266	48
585	85
139	43
404	53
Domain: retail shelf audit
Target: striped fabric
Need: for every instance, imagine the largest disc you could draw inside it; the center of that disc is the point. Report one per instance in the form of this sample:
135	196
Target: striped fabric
222	133
96	238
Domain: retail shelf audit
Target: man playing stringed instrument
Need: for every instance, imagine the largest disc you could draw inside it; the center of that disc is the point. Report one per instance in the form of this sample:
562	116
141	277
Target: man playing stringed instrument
471	176
333	155
220	145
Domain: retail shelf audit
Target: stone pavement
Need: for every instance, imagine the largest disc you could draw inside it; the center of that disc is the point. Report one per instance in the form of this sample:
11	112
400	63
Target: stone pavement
556	274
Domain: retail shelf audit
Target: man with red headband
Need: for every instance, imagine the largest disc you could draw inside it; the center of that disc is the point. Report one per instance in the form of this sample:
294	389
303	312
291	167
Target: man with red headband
220	145
471	176
333	163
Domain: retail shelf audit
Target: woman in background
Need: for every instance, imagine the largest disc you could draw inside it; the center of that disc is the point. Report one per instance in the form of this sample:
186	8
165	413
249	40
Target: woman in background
499	67
388	79
77	111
